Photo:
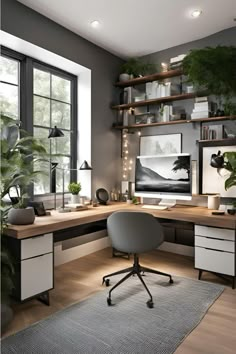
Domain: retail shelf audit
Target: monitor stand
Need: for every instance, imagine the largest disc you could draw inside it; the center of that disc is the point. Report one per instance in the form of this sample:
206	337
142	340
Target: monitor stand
167	202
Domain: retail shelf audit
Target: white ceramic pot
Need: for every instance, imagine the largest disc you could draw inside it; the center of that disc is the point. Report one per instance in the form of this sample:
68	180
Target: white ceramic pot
21	216
75	198
124	77
213	202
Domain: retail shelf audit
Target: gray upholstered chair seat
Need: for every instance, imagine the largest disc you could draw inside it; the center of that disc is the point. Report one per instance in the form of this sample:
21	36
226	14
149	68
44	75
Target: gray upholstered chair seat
134	232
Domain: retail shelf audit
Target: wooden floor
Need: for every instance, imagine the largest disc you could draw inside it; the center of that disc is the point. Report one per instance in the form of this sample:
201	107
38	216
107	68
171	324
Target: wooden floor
76	280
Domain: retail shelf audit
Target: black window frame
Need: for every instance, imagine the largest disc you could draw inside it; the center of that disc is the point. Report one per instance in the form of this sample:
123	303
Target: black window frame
27	65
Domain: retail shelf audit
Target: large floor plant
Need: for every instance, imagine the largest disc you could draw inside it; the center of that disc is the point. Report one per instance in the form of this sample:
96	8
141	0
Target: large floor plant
19	153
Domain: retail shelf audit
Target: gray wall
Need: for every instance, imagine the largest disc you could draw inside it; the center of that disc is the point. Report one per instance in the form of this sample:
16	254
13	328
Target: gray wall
190	132
29	25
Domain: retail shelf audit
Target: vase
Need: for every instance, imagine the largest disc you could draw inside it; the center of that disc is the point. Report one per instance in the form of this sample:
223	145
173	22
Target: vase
75	198
21	216
124	77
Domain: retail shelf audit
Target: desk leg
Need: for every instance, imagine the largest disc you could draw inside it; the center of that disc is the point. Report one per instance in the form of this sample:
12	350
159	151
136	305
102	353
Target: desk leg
44	298
200	274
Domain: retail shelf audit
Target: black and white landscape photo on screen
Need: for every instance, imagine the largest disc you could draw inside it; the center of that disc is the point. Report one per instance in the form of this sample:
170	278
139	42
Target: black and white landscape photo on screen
169	174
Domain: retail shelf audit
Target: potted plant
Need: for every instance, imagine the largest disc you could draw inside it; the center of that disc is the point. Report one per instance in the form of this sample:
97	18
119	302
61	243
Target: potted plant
214	70
19	153
74	188
135	68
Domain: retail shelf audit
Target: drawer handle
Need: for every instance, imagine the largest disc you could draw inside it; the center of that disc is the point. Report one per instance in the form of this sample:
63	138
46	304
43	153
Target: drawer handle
211	249
40	236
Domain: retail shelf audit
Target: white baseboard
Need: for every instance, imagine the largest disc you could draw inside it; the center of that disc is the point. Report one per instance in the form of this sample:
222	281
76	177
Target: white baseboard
176	248
62	256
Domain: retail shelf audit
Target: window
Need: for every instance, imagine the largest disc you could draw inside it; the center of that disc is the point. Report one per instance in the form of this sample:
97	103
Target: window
9	87
43	97
52	106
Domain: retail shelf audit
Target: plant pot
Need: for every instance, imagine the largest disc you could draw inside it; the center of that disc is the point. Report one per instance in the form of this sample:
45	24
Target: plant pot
6	317
231	211
21	216
75	199
124	77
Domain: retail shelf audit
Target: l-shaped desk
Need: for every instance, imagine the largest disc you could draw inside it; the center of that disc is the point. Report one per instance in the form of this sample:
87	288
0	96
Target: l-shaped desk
32	245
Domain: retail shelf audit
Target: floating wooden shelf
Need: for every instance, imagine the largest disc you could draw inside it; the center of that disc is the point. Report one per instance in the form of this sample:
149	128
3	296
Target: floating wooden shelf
218	140
181	121
184	96
150	78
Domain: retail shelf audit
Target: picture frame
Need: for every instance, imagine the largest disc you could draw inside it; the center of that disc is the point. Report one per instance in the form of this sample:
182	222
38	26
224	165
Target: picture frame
208	174
163	144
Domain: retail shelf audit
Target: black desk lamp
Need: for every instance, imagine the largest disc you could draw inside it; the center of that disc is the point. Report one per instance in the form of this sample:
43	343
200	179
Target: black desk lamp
54	133
85	166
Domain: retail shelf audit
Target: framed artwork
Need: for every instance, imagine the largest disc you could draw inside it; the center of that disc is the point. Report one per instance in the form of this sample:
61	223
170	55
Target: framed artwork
212	180
160	144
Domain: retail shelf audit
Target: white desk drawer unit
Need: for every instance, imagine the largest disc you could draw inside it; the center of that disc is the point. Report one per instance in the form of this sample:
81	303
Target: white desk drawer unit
215	250
34	267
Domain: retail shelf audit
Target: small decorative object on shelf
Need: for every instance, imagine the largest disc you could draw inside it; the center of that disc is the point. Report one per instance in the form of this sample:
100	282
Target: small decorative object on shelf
177	62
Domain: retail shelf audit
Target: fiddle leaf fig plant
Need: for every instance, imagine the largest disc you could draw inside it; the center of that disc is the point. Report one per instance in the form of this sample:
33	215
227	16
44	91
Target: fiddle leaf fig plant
19	154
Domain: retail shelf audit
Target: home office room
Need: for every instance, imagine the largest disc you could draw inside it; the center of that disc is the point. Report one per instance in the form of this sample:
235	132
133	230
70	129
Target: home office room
118	176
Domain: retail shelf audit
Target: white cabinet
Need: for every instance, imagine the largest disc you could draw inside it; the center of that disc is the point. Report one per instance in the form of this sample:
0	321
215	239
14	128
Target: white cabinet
34	270
215	250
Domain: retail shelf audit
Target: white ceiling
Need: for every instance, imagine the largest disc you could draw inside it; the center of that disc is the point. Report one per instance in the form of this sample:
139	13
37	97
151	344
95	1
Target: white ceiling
139	27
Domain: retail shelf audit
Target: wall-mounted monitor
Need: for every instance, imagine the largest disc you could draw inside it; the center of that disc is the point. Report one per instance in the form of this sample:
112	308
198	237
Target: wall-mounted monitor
163	176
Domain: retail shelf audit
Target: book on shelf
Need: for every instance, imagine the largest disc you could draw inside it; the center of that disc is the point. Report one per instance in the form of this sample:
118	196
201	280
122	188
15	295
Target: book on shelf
128	94
201	106
197	115
157	89
212	132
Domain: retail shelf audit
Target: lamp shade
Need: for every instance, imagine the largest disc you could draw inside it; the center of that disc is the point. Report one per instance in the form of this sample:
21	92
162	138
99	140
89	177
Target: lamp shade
85	166
55	133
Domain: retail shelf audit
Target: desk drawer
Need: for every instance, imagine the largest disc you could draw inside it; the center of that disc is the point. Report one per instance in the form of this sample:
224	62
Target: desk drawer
36	246
215	261
215	244
36	275
214	232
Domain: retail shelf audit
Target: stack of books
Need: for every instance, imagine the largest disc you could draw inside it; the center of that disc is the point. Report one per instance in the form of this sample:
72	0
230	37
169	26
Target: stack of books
76	207
176	62
201	108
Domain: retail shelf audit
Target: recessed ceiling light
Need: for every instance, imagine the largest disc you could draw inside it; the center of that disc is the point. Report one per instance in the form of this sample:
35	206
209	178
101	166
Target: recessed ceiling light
196	13
95	23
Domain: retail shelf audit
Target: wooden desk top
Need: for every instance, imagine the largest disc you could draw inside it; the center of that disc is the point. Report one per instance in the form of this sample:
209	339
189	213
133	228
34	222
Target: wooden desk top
59	221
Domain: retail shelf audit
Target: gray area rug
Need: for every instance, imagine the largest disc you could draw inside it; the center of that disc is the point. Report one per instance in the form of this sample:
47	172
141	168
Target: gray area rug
129	326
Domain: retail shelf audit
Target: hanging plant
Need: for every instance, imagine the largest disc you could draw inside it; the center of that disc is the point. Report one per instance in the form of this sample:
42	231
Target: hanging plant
214	70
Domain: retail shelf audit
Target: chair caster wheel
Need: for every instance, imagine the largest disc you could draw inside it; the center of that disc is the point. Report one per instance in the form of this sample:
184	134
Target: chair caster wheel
107	282
171	281
109	301
150	304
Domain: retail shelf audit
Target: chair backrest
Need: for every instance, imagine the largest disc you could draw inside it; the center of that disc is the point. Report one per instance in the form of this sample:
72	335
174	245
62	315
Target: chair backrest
134	232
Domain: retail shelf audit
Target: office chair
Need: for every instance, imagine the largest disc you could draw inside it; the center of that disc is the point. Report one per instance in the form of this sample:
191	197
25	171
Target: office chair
134	232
